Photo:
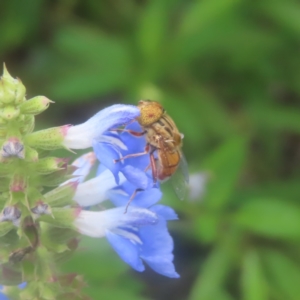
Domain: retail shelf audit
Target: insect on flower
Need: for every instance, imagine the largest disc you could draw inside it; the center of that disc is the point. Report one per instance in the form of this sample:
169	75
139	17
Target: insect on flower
164	144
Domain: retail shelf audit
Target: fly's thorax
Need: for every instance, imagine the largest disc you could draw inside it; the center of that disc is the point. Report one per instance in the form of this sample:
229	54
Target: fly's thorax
153	137
150	112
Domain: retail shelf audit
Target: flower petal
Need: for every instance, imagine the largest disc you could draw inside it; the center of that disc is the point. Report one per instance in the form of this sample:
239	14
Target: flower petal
106	153
94	190
157	247
82	136
142	199
126	250
166	212
84	163
95	223
137	177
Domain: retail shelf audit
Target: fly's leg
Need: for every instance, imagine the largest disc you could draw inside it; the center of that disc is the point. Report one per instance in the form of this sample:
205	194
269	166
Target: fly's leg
153	167
147	149
131	198
132	132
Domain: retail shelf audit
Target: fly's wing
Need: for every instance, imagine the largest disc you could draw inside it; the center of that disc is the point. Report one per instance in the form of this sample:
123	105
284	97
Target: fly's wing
180	179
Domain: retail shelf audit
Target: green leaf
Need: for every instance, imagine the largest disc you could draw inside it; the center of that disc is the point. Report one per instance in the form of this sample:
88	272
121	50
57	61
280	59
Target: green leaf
254	285
201	13
285	13
224	165
17	22
92	63
284	274
206	226
151	33
271	218
276	118
213	274
198	25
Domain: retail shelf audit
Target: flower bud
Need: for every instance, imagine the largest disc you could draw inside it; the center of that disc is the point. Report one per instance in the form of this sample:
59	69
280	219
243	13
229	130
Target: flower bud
18	183
61	217
35	105
13	147
50	164
27	124
59	177
62	195
48	139
31	154
9	112
11	90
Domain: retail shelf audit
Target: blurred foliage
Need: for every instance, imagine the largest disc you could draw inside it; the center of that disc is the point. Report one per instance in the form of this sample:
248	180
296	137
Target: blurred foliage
228	72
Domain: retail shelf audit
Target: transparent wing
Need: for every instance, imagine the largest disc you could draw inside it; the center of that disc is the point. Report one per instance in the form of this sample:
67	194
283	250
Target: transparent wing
180	179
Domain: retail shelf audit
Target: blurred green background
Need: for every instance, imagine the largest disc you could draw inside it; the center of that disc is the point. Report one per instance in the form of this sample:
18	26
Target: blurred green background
228	72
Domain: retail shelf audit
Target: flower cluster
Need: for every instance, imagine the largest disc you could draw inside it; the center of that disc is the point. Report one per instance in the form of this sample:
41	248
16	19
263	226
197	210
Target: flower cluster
138	233
46	204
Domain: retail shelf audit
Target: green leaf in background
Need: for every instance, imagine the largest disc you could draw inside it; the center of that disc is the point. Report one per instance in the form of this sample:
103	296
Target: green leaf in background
17	24
94	63
199	17
152	36
284	274
213	274
254	286
277	118
206	226
271	218
280	189
225	165
284	13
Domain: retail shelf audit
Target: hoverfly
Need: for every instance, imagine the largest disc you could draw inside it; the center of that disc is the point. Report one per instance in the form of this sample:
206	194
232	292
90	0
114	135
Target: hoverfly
164	143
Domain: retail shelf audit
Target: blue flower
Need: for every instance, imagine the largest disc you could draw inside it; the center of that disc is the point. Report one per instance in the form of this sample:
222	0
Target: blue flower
82	136
140	235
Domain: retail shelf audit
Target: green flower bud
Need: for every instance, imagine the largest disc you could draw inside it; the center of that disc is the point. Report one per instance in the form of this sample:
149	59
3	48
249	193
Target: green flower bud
62	195
31	154
9	112
18	183
61	217
27	124
35	105
11	90
50	164
57	178
48	139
